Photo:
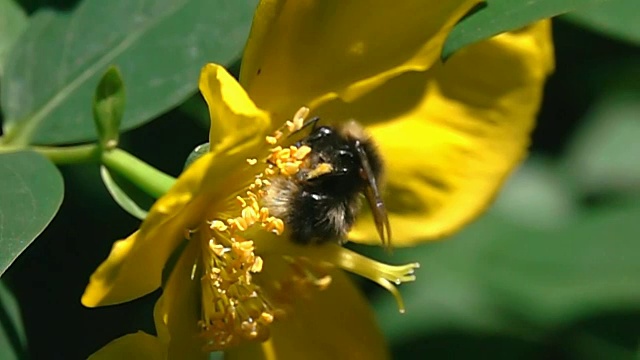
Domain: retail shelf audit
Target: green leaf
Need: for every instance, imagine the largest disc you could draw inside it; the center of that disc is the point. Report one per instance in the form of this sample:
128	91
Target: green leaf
603	156
13	21
504	15
13	339
30	195
584	270
108	107
616	18
537	196
120	196
448	293
500	278
160	47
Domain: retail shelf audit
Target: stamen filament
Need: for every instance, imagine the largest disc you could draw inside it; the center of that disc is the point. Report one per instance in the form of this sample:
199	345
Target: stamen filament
383	274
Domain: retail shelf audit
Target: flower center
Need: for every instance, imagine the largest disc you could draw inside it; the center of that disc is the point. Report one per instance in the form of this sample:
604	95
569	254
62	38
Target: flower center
234	307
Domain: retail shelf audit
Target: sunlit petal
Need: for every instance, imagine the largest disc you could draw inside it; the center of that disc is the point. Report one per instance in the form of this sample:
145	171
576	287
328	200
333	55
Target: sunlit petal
451	135
178	310
134	266
236	122
133	346
300	51
336	323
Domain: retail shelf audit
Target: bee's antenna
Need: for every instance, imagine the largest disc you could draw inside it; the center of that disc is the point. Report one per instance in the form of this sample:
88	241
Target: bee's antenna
311	122
374	199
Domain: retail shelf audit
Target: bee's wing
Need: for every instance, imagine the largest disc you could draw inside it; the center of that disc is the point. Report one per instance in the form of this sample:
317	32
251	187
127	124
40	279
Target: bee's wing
374	199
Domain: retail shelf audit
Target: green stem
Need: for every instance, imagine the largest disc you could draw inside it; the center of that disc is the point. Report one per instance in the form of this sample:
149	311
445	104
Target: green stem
70	154
151	180
62	155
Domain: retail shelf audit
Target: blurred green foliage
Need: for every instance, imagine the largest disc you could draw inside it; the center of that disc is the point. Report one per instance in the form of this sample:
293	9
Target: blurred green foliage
550	272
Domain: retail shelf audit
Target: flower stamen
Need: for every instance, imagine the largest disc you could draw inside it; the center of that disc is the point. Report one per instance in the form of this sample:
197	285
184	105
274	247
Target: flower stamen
385	275
233	306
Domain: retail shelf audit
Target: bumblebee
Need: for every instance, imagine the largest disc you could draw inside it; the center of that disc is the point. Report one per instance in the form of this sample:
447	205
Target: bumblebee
320	203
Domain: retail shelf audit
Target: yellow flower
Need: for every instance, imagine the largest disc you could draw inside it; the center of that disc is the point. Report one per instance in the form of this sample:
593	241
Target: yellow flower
450	133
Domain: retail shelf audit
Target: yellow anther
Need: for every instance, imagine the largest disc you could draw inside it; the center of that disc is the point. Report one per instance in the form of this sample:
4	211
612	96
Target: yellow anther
252	161
218	225
271	140
249	215
264	214
241	201
255	205
275	225
243	247
290	126
323	282
238	223
266	318
252	195
298	119
257	265
217	249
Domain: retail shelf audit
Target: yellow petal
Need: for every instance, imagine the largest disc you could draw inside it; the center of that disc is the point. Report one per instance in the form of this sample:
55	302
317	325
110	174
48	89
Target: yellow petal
178	310
134	266
140	346
451	135
335	324
236	122
304	50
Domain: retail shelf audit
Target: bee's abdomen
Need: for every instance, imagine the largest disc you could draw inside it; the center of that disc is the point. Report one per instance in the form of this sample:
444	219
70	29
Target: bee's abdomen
320	218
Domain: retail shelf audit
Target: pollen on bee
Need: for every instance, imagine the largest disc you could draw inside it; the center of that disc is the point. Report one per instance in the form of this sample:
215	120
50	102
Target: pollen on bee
302	152
290	168
321	169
